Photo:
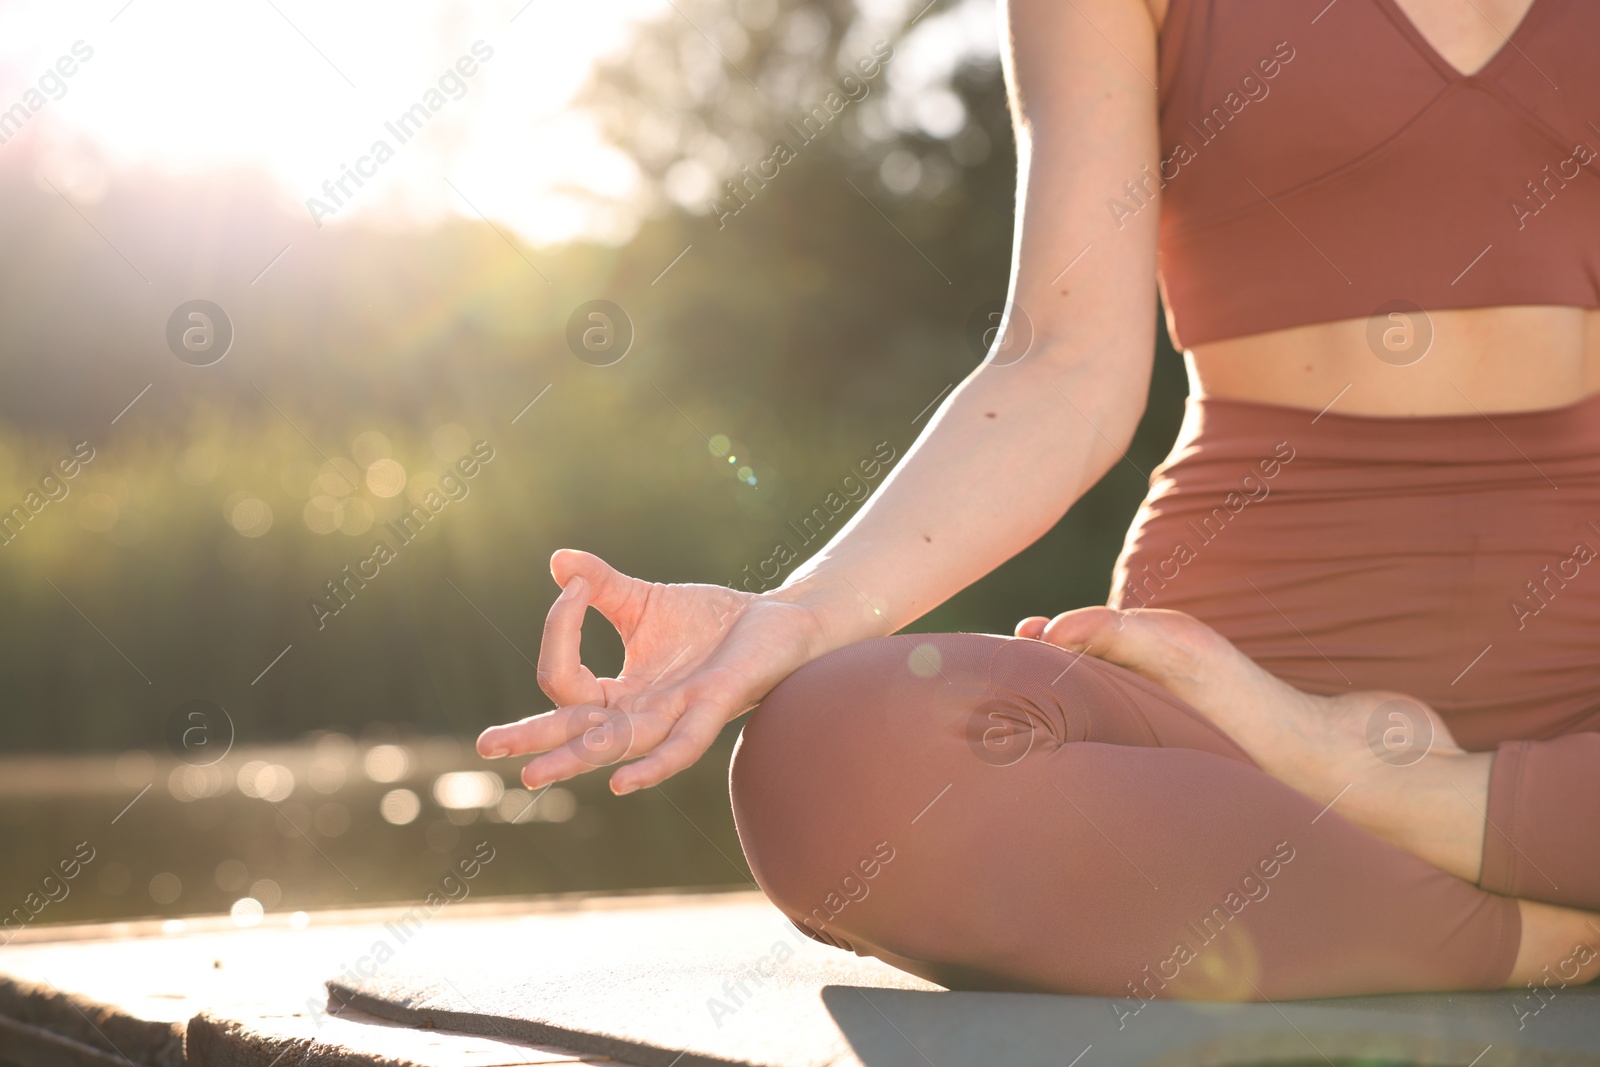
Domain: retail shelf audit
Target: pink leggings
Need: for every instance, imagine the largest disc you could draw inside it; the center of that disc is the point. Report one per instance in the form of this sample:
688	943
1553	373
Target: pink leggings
997	813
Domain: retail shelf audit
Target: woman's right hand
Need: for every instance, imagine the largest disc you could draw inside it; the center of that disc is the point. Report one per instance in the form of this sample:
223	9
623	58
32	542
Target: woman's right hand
695	657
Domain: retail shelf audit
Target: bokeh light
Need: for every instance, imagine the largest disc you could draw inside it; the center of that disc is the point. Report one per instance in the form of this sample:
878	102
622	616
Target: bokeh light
323	514
188	783
460	790
400	807
386	763
246	912
386	477
252	517
166	888
267	781
267	892
356	517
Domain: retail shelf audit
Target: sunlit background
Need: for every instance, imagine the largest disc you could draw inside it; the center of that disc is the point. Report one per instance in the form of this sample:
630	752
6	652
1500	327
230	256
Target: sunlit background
209	563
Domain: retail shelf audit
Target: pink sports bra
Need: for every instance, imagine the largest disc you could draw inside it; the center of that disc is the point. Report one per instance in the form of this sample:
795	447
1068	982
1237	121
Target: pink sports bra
1320	161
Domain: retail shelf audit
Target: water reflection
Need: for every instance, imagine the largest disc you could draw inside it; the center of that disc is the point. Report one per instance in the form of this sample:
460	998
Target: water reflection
333	821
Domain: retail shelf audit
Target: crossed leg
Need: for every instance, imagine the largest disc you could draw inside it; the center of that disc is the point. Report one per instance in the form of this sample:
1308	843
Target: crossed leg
1413	786
1002	813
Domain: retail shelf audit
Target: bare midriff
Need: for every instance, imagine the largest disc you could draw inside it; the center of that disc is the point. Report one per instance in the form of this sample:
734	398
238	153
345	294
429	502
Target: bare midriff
1486	359
1477	359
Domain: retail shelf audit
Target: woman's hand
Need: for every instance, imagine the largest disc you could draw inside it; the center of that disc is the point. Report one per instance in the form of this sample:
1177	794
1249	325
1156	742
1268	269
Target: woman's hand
696	656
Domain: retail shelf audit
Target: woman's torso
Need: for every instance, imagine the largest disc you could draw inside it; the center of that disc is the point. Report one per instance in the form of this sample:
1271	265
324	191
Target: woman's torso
1353	517
1483	359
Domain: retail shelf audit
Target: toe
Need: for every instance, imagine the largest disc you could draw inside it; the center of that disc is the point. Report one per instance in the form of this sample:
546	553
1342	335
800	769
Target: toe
1082	628
1174	650
1033	626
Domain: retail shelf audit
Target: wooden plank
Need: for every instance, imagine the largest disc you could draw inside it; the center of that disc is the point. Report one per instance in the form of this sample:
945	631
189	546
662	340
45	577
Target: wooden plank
29	1046
131	991
42	1008
353	1039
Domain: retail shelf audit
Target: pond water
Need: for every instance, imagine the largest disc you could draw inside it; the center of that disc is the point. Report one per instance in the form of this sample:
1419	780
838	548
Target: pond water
335	822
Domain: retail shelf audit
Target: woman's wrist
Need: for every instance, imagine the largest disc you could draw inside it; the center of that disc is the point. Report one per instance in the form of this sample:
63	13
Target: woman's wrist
841	612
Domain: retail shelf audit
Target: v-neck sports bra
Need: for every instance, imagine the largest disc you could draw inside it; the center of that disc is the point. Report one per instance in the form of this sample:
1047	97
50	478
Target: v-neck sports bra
1321	161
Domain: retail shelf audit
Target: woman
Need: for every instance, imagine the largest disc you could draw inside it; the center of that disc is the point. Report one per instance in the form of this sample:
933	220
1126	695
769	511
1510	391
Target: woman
1335	732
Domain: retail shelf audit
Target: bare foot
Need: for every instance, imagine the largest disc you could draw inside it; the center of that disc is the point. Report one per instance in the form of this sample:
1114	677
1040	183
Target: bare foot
1318	744
1364	751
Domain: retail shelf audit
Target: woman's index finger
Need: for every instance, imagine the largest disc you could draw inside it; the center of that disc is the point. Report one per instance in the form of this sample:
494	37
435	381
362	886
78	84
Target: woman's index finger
561	672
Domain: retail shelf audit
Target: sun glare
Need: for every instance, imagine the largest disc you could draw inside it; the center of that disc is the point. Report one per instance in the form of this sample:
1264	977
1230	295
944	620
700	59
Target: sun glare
408	111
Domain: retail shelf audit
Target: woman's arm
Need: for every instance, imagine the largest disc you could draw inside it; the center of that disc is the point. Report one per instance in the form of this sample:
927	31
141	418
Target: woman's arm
1015	445
1002	460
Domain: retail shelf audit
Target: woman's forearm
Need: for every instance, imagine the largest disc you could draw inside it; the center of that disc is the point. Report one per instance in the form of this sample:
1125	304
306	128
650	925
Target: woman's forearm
999	464
1021	439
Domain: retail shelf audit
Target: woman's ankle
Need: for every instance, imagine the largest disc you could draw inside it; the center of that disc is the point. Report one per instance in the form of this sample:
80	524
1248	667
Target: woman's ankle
1560	947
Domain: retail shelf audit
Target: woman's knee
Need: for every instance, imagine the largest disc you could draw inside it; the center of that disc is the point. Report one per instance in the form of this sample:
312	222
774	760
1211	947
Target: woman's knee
848	717
858	730
834	773
836	750
879	789
843	732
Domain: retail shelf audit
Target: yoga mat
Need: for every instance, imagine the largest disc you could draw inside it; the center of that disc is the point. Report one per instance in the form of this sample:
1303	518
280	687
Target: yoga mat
736	984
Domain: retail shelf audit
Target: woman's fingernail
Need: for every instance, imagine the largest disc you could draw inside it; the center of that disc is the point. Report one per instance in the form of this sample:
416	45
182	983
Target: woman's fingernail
495	752
622	790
